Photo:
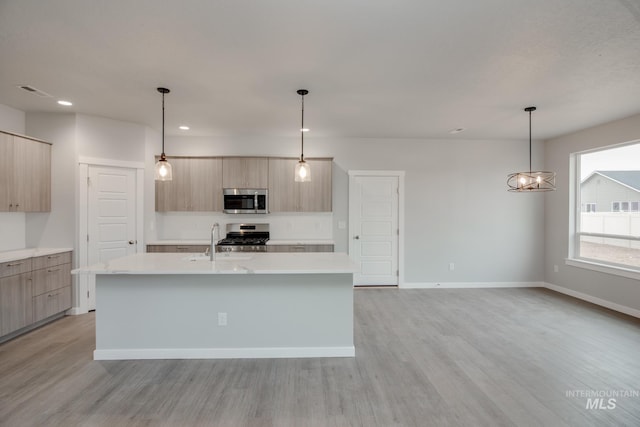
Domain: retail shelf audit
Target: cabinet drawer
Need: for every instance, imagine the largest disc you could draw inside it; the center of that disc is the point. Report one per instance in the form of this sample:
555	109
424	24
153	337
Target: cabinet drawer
51	303
51	278
12	268
51	260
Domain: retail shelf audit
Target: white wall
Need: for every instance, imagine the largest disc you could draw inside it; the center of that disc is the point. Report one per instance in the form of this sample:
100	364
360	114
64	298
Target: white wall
457	210
103	138
611	288
12	224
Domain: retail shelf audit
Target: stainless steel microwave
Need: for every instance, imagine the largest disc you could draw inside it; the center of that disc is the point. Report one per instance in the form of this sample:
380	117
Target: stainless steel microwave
245	200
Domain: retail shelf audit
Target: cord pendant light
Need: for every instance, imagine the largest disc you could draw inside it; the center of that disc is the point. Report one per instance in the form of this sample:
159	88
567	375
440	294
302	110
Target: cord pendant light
532	180
303	171
163	167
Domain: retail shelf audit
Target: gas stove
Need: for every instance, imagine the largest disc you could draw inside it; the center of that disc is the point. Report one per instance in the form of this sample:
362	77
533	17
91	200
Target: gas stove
245	238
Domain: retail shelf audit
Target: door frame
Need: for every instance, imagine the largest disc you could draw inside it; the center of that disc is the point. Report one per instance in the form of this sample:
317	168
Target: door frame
353	174
81	304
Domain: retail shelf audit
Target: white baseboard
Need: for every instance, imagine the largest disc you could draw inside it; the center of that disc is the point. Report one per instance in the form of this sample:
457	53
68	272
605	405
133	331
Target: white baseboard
223	353
462	285
74	311
595	300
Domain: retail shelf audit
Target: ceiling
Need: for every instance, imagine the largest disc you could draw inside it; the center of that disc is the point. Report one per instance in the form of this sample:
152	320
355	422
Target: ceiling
376	68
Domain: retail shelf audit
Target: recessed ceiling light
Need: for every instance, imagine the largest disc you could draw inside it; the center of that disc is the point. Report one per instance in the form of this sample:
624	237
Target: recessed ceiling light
456	130
65	103
184	127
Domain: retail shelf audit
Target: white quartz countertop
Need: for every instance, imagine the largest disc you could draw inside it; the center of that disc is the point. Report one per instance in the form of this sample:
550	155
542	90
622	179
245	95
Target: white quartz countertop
269	242
246	263
8	256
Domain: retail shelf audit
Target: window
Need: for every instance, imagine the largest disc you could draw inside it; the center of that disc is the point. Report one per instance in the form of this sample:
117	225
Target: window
610	178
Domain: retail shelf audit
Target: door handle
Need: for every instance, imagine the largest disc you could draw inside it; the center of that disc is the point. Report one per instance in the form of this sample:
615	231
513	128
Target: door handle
356	237
132	242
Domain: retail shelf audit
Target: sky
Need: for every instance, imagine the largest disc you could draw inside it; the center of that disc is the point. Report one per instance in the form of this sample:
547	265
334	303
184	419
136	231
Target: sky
622	158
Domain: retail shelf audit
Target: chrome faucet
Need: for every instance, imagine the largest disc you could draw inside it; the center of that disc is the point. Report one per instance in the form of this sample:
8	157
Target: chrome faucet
214	241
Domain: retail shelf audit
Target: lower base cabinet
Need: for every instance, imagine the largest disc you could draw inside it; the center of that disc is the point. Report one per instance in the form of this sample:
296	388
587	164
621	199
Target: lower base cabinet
32	290
177	248
16	309
299	248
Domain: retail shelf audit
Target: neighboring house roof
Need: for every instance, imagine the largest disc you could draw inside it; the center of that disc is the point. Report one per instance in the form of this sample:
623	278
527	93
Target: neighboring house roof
629	179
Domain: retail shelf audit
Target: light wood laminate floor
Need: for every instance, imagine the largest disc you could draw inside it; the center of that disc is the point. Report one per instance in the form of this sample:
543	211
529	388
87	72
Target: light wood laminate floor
459	357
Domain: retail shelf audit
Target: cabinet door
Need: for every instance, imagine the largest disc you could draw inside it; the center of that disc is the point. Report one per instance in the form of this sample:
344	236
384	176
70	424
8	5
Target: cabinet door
316	196
205	192
16	308
6	171
196	186
283	190
33	176
171	196
245	172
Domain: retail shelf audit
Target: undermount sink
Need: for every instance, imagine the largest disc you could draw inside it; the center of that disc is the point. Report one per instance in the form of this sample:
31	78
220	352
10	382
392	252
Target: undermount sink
219	257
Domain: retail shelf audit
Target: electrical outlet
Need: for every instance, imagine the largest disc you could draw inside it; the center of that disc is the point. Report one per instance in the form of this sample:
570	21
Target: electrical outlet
452	266
555	269
222	319
342	225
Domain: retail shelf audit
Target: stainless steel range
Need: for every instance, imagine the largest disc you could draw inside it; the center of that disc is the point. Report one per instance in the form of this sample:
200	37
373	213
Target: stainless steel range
245	238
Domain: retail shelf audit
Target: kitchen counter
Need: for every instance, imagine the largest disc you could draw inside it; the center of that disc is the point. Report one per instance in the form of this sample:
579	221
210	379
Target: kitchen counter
249	305
14	255
234	263
269	242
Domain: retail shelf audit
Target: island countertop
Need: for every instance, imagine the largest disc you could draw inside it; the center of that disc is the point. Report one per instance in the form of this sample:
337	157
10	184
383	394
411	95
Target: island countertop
235	263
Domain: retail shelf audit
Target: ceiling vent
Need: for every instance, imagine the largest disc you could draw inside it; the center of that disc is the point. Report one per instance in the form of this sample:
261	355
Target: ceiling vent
34	91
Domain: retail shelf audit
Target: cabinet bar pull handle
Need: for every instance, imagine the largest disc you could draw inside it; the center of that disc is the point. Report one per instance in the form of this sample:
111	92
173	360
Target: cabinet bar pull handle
54	270
53	256
15	264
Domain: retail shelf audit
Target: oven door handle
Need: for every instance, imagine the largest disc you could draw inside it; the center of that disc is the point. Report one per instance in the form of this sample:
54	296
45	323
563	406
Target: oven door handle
255	201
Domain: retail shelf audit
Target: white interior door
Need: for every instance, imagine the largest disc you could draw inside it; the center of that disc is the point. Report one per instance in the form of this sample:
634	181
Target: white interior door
374	229
111	222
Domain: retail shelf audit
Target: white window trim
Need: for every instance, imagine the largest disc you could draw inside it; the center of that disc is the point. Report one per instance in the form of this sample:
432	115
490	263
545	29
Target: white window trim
575	208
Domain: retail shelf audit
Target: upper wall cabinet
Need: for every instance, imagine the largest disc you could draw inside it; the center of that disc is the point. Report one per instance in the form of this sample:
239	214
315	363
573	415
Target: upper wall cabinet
196	186
286	195
245	172
25	174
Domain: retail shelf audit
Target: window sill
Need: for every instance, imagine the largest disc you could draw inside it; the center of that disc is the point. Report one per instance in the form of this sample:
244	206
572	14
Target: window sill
603	268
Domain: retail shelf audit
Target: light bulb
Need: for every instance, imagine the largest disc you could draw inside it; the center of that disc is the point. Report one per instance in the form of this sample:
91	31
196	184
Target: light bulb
539	179
162	171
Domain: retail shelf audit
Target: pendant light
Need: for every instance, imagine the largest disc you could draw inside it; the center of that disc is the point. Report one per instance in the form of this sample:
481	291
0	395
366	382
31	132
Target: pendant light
163	167
533	180
302	172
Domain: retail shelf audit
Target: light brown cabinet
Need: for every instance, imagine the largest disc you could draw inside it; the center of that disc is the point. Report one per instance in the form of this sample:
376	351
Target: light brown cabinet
16	310
33	289
196	186
286	195
300	248
245	172
25	178
177	248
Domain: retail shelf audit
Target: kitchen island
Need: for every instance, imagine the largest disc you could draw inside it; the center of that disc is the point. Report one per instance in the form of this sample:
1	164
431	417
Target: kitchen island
251	305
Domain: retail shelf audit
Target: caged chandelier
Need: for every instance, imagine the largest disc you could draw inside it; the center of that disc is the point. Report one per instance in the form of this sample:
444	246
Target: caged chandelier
303	171
523	182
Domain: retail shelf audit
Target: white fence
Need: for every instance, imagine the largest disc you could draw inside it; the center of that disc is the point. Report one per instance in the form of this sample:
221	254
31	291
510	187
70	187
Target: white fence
620	223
